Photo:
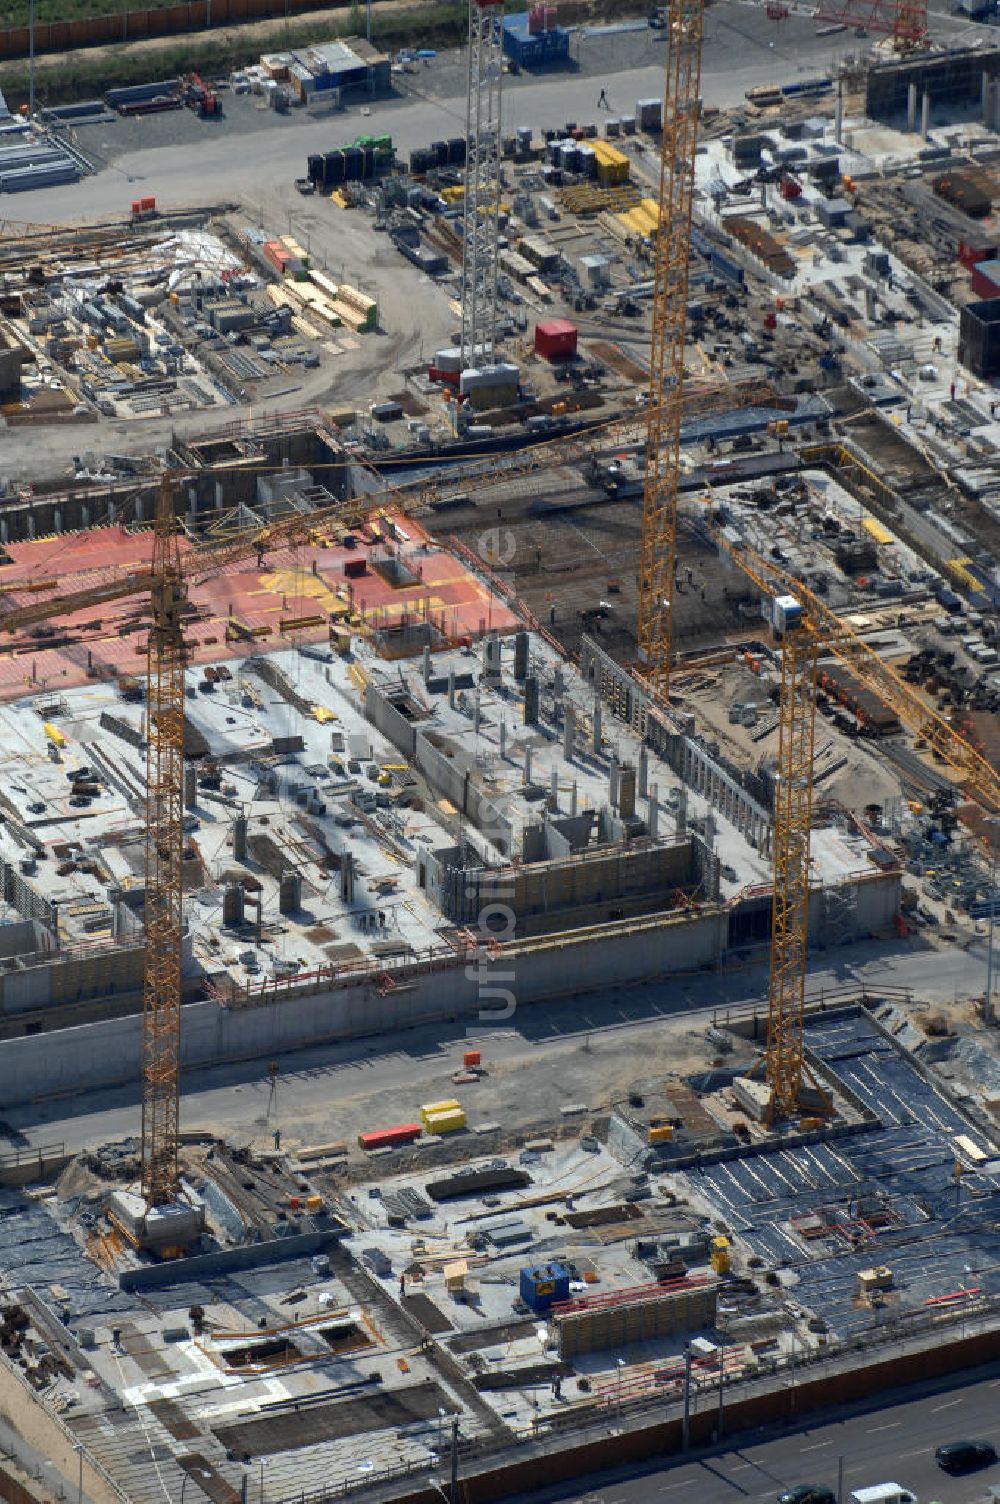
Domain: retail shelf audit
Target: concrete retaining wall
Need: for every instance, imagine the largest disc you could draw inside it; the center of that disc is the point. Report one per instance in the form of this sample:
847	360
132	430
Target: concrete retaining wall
207	1265
69	1061
547	1464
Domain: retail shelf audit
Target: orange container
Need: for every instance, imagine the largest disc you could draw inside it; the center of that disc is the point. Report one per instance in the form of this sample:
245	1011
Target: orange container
472	1057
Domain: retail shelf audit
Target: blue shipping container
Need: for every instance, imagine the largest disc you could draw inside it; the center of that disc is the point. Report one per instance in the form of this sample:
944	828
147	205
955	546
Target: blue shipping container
533	49
544	1284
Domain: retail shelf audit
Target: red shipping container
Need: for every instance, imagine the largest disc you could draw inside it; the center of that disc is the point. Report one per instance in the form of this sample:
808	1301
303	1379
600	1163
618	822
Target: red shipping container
555	339
472	1057
971	251
986	278
148	203
389	1138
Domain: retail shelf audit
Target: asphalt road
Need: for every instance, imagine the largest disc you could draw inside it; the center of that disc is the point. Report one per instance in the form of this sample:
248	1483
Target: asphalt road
894	1442
741	49
583	1049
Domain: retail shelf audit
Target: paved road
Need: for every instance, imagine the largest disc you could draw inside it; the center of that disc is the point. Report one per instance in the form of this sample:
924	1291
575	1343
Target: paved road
895	1442
741	49
587	1049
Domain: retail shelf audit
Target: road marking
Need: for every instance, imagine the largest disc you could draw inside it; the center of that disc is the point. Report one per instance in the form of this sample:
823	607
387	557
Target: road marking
892	1426
816	1446
947	1406
684	1483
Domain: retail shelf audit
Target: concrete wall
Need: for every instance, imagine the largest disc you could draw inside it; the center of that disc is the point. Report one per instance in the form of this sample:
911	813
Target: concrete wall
70	1061
445	775
249	1256
548	1463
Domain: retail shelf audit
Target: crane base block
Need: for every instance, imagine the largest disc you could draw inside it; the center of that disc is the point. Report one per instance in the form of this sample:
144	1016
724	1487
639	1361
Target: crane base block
753	1096
157	1228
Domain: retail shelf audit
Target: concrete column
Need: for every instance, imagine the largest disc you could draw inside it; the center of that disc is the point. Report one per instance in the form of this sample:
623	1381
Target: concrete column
190	785
531	700
503	738
569	732
626	792
240	838
643	770
426	665
347	877
520	656
451	688
527	764
838	118
476	711
597	726
557	681
911	108
572	800
613	782
554	790
653	814
682	815
925	115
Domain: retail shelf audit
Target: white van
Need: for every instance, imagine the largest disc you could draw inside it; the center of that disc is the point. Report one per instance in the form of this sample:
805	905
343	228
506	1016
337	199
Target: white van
883	1493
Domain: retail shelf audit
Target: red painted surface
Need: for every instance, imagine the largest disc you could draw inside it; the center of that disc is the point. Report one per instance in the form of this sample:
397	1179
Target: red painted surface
311	580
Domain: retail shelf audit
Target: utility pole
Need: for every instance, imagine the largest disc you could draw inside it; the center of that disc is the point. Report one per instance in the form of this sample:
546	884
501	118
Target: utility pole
988	999
453	1487
31	61
686	1423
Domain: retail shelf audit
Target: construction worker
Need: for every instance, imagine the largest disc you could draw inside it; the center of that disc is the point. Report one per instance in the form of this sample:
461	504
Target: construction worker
602	101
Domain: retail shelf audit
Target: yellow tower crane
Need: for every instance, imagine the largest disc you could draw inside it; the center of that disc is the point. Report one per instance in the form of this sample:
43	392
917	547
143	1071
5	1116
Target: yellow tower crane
805	624
682	82
164	852
793	786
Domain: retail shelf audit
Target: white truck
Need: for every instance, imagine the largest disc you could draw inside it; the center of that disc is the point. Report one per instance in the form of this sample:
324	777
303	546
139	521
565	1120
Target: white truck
883	1493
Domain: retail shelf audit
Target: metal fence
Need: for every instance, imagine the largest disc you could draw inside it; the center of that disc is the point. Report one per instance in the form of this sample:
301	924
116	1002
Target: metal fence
596	1419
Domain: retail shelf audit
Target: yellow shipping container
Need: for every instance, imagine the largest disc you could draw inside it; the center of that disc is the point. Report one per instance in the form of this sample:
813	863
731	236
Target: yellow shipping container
875	530
430	1108
613	166
662	1133
444	1122
54	734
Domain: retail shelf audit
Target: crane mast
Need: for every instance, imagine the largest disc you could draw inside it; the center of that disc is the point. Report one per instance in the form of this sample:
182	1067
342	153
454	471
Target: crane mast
481	210
790	907
164	851
682	83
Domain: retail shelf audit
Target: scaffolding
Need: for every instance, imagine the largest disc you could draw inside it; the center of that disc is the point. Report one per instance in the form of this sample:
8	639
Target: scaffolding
482	183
